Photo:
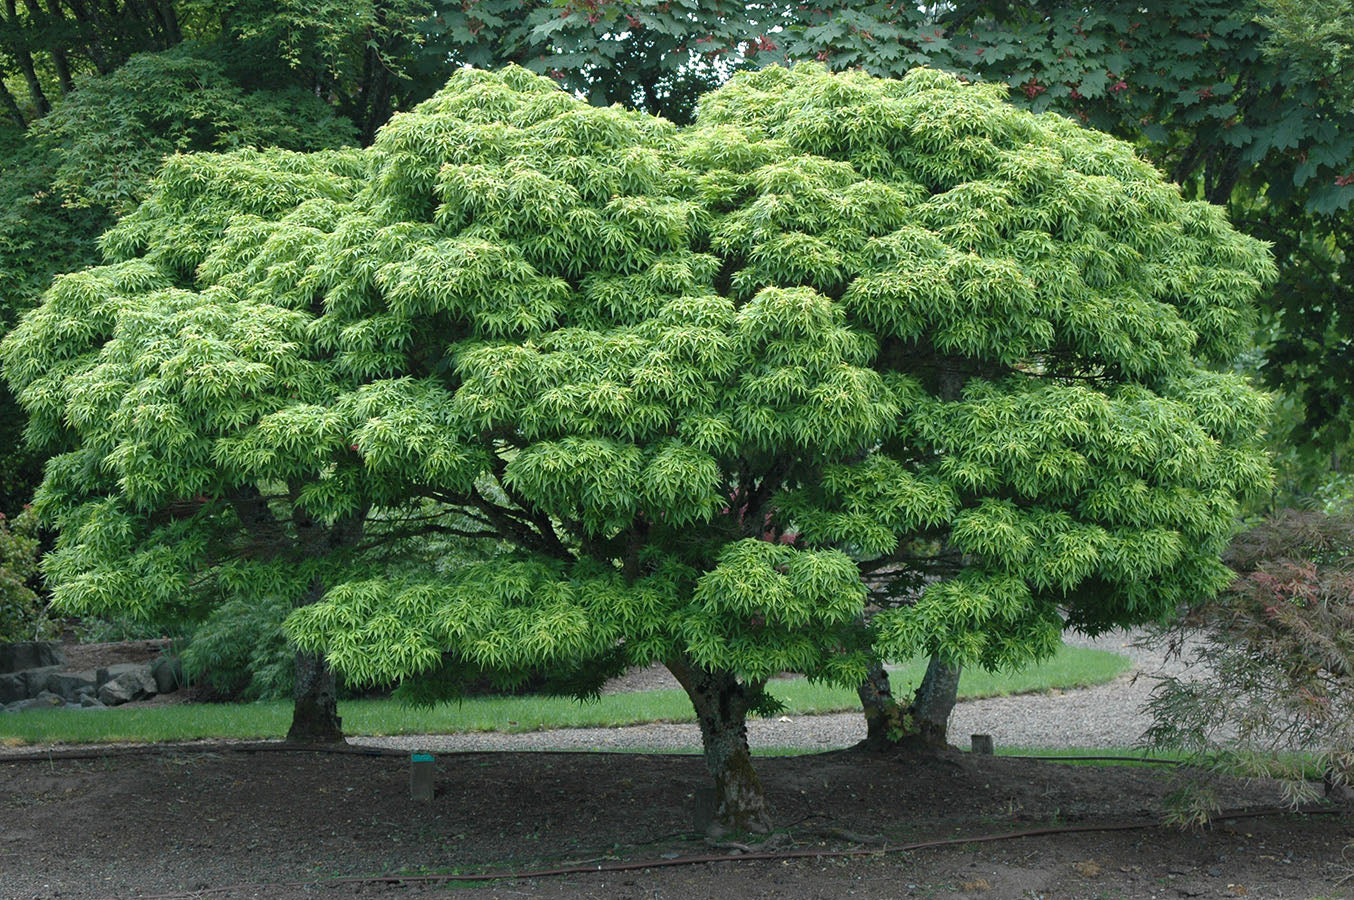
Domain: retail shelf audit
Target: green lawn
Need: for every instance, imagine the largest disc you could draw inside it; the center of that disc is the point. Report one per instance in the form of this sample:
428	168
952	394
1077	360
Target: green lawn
1071	667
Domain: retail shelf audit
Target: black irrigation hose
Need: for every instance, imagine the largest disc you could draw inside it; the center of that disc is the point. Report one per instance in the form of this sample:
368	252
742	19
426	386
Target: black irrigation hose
360	750
396	880
264	747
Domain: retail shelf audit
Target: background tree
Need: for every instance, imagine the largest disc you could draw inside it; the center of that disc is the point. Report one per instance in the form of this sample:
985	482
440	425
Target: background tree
365	59
109	138
21	613
643	54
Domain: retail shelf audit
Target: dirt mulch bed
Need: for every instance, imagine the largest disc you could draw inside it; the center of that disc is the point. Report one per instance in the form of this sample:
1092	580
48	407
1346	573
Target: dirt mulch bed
178	822
80	657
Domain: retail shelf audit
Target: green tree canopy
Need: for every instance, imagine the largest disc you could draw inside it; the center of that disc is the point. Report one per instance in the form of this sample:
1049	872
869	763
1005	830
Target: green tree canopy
93	156
700	378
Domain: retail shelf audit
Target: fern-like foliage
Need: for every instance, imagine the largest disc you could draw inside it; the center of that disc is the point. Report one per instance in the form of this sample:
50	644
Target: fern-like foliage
1267	686
698	380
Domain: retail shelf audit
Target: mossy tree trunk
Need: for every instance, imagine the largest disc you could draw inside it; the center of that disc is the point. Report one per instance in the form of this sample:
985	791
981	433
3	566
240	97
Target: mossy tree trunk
721	704
885	720
924	724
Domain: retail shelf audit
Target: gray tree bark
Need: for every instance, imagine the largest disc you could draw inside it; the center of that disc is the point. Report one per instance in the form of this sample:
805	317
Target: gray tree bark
315	718
60	62
885	721
11	106
721	705
934	701
923	724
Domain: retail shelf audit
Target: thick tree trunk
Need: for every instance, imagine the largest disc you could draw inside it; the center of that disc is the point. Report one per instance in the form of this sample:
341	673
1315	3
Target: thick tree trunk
374	91
925	722
924	725
61	63
24	59
171	21
40	102
934	701
87	28
314	715
721	710
315	718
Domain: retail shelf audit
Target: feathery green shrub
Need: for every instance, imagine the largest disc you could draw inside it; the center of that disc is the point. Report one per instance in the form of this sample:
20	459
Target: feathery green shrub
696	380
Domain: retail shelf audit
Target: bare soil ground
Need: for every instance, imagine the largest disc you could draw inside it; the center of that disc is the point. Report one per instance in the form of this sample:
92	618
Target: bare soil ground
93	656
173	822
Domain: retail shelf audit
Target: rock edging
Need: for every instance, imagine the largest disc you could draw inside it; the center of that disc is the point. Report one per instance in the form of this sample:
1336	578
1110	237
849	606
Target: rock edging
50	685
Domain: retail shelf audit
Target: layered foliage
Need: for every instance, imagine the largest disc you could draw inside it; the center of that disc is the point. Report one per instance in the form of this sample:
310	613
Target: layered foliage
91	157
39	237
240	650
1270	671
1244	104
698	379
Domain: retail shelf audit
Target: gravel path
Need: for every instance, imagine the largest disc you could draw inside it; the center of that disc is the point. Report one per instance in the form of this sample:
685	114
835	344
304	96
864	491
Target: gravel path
1104	716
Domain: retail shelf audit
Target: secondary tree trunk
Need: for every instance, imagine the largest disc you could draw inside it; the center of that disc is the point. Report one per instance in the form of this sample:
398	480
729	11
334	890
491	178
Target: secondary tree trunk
721	704
922	725
934	701
885	721
171	21
60	62
87	28
315	718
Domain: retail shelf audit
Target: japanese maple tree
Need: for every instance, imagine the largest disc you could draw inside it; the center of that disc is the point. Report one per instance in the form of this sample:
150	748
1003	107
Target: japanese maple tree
699	379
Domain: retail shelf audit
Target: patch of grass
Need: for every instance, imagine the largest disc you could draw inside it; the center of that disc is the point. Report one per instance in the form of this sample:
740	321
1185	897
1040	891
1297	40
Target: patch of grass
1071	667
1128	755
1308	766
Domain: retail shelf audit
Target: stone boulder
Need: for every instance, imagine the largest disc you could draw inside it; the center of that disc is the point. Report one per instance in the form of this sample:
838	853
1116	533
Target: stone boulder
108	673
28	684
45	700
71	685
13	687
168	672
126	682
21	655
38	680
